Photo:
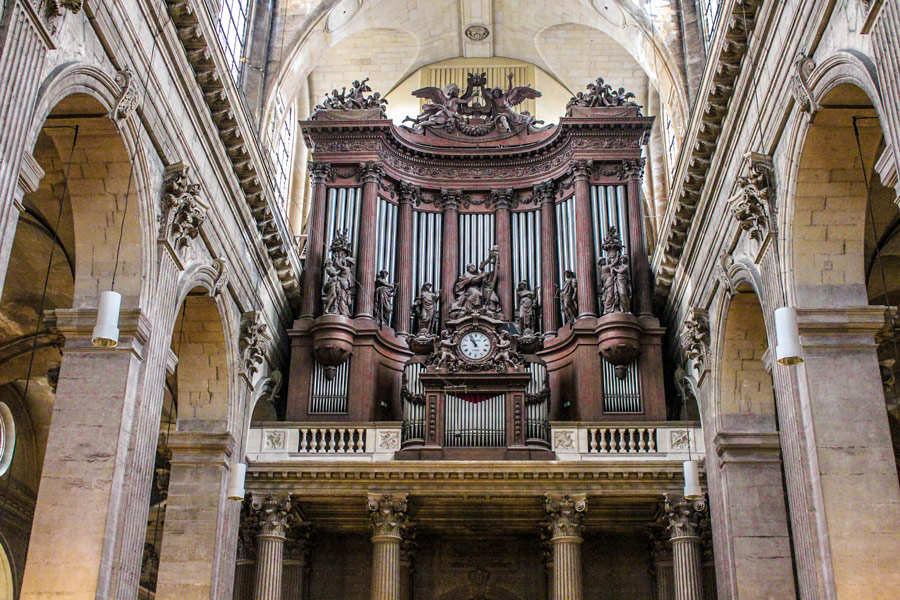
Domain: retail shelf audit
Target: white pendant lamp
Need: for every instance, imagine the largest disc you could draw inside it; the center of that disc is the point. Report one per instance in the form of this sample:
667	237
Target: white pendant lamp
692	490
106	330
787	336
236	475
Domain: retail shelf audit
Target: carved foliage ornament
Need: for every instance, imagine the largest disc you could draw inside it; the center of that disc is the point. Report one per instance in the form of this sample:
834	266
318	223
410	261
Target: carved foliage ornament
695	336
128	97
320	172
686	518
273	514
183	212
55	7
751	201
565	514
803	68
253	342
387	514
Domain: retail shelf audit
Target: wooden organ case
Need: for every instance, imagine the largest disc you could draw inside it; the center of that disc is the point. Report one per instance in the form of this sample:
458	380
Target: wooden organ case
476	274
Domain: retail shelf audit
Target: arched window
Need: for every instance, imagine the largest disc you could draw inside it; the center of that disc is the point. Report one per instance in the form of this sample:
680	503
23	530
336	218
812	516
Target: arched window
709	10
234	19
281	147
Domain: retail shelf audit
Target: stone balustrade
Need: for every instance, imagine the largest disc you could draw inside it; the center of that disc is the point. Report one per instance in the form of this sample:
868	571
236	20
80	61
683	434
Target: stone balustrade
277	442
604	441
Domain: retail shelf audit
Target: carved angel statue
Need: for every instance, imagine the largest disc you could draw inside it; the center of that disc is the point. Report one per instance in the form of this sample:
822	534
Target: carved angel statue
503	358
615	275
525	313
384	298
337	289
443	108
425	307
501	104
568	297
601	94
446	356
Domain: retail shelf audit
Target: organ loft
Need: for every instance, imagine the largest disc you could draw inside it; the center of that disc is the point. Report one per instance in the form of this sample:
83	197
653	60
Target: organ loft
475	403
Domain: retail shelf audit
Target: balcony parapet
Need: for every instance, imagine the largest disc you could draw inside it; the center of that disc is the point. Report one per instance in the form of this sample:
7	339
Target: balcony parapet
279	442
605	441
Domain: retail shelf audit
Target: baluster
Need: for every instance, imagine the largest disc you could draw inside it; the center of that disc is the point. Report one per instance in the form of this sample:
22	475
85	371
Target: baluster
361	440
303	445
592	435
651	434
642	441
604	447
631	444
619	437
313	440
331	440
341	441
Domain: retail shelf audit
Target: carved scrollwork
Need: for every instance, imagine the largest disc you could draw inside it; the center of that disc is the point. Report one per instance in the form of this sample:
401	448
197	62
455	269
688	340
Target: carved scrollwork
370	171
695	337
253	342
544	192
273	515
410	193
182	210
320	172
565	514
387	514
803	68
685	518
751	201
127	101
631	168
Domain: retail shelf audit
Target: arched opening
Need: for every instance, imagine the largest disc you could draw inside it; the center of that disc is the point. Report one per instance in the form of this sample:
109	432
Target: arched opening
750	514
63	253
7	581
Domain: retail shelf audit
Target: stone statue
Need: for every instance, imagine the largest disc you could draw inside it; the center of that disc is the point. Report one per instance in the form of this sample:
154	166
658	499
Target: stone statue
568	297
337	289
384	298
526	308
615	275
425	307
476	289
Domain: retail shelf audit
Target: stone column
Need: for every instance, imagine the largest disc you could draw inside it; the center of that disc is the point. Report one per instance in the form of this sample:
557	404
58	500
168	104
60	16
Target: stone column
274	515
403	267
686	520
449	249
503	236
371	174
296	560
191	556
586	263
633	171
388	515
83	484
661	565
408	549
319	173
565	521
546	195
245	566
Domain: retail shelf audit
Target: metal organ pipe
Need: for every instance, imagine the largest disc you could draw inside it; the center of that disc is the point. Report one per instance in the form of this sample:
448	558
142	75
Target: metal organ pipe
329	396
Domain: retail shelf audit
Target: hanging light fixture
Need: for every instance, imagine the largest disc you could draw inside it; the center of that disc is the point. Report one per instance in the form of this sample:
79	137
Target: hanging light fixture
106	330
237	472
692	489
787	336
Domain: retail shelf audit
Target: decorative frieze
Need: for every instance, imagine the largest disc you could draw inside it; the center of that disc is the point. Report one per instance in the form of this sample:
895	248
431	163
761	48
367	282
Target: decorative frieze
253	342
182	210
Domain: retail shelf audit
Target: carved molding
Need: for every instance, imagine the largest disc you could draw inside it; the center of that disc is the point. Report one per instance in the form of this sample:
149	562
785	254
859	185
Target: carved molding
387	514
723	274
253	342
220	266
800	89
565	514
127	102
695	337
182	210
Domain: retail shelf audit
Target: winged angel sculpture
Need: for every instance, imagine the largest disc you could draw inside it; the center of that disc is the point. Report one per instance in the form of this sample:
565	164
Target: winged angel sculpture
478	111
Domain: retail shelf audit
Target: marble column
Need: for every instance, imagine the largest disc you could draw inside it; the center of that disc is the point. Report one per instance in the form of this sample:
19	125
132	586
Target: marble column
387	513
661	565
296	561
403	268
565	515
633	171
586	264
545	193
274	515
501	200
449	249
686	520
319	173
371	174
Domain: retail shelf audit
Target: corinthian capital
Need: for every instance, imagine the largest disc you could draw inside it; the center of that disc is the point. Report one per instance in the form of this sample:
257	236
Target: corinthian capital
565	514
685	518
581	169
388	514
320	172
273	513
370	172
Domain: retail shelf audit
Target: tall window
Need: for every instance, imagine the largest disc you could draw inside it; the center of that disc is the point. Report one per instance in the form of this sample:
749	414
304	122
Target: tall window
234	19
709	10
671	141
281	147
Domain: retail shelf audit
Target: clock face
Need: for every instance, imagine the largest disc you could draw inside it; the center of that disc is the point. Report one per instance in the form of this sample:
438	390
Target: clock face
475	345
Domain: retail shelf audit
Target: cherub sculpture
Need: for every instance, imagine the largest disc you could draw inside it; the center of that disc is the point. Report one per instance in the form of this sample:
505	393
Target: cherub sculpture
446	356
501	104
443	110
503	358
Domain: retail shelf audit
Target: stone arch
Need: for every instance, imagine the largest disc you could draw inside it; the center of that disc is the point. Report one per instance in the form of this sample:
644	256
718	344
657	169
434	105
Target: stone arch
8	579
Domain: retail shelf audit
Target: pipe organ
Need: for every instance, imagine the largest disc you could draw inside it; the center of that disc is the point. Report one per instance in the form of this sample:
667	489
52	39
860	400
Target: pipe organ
476	274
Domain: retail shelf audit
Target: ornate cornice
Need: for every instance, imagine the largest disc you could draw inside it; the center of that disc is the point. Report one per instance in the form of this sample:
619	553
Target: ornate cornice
565	514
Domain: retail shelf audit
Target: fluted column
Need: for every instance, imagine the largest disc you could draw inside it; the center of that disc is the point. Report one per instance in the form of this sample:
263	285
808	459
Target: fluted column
661	563
319	173
403	268
584	248
503	236
296	559
274	516
449	249
388	516
565	515
686	519
546	195
633	171
371	174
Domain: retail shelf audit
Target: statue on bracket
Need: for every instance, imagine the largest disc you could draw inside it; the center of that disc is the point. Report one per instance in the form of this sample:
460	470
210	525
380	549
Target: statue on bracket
476	291
568	297
615	275
384	298
337	289
478	111
425	307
